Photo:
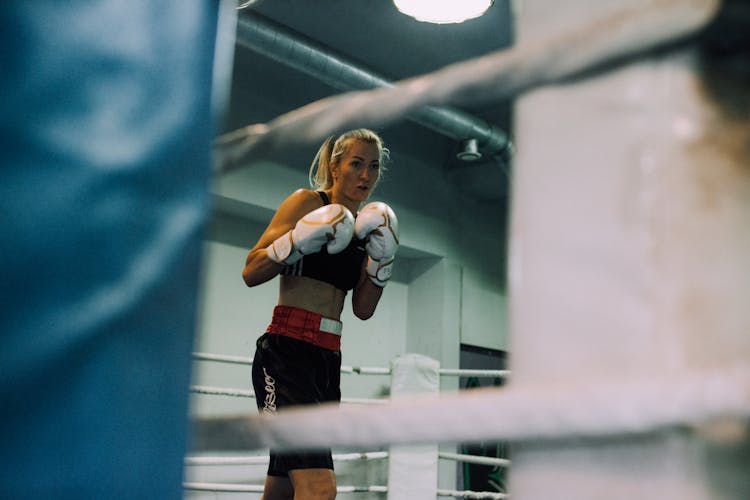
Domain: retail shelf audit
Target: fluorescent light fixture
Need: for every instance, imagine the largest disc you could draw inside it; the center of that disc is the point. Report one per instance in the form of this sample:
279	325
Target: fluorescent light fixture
443	11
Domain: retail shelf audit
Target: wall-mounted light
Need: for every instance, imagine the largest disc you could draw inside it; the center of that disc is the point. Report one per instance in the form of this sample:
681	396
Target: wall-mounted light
443	11
469	150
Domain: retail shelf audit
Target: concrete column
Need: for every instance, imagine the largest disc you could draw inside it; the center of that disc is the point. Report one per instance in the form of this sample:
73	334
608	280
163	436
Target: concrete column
433	329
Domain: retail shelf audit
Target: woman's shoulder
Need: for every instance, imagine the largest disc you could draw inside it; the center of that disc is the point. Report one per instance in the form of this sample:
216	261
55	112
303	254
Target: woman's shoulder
303	195
303	199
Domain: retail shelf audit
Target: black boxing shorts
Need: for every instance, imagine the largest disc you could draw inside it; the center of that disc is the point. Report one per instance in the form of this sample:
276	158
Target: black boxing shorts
289	371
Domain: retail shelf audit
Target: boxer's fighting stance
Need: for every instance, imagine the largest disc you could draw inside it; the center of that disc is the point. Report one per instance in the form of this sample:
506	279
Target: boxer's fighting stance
322	245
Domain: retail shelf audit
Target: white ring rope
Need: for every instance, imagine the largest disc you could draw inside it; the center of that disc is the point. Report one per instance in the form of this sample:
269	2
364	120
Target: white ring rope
243	393
362	489
343	457
222	391
224	487
245	4
516	412
471	494
260	460
623	31
458	372
257	488
368	455
365	370
357	370
473	373
364	401
240	460
204	356
474	459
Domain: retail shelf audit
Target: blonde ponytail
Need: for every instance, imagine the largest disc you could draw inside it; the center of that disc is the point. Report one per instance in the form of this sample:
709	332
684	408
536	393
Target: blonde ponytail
320	169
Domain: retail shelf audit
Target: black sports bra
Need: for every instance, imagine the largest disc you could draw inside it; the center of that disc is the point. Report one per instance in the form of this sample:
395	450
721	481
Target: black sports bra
341	270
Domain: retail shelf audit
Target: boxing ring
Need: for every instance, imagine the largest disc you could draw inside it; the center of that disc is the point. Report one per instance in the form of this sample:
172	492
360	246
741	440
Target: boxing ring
628	266
409	366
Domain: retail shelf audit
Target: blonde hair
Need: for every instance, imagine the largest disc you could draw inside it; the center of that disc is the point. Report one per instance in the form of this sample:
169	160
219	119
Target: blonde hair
333	149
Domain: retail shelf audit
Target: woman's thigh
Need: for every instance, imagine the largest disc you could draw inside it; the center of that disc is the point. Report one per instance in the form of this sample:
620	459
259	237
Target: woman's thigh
314	483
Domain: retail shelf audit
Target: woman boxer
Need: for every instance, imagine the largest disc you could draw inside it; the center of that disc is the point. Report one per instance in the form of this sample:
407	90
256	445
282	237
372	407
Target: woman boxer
322	248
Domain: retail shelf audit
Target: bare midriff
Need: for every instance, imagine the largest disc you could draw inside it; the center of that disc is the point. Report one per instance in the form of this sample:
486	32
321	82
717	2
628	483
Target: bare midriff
312	295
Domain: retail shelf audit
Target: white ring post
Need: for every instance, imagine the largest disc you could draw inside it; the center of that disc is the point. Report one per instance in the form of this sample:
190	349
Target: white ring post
413	470
630	258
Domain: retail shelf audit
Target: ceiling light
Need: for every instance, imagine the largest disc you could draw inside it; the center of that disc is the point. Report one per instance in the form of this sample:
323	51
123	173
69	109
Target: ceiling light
443	11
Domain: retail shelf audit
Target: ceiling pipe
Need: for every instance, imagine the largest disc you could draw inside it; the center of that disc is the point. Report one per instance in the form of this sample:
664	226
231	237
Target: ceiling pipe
272	40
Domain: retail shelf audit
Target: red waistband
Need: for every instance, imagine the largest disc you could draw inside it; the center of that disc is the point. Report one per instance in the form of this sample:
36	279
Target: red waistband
304	325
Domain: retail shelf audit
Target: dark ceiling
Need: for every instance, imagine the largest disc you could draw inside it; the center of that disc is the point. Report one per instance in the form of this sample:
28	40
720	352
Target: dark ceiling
374	35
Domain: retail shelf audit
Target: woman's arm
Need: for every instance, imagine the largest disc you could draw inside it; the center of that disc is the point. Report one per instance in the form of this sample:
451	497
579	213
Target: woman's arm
259	268
378	225
366	296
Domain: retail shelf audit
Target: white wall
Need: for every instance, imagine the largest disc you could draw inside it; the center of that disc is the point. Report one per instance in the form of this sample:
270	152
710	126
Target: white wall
484	311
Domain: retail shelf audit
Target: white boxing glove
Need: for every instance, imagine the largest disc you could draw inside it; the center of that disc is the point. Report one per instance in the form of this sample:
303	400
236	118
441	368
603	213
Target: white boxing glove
377	224
330	225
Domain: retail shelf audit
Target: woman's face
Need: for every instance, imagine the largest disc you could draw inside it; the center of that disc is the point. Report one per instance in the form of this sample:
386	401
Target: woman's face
357	172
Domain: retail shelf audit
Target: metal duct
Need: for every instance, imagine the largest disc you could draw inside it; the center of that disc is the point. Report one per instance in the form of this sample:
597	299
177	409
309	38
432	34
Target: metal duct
275	42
